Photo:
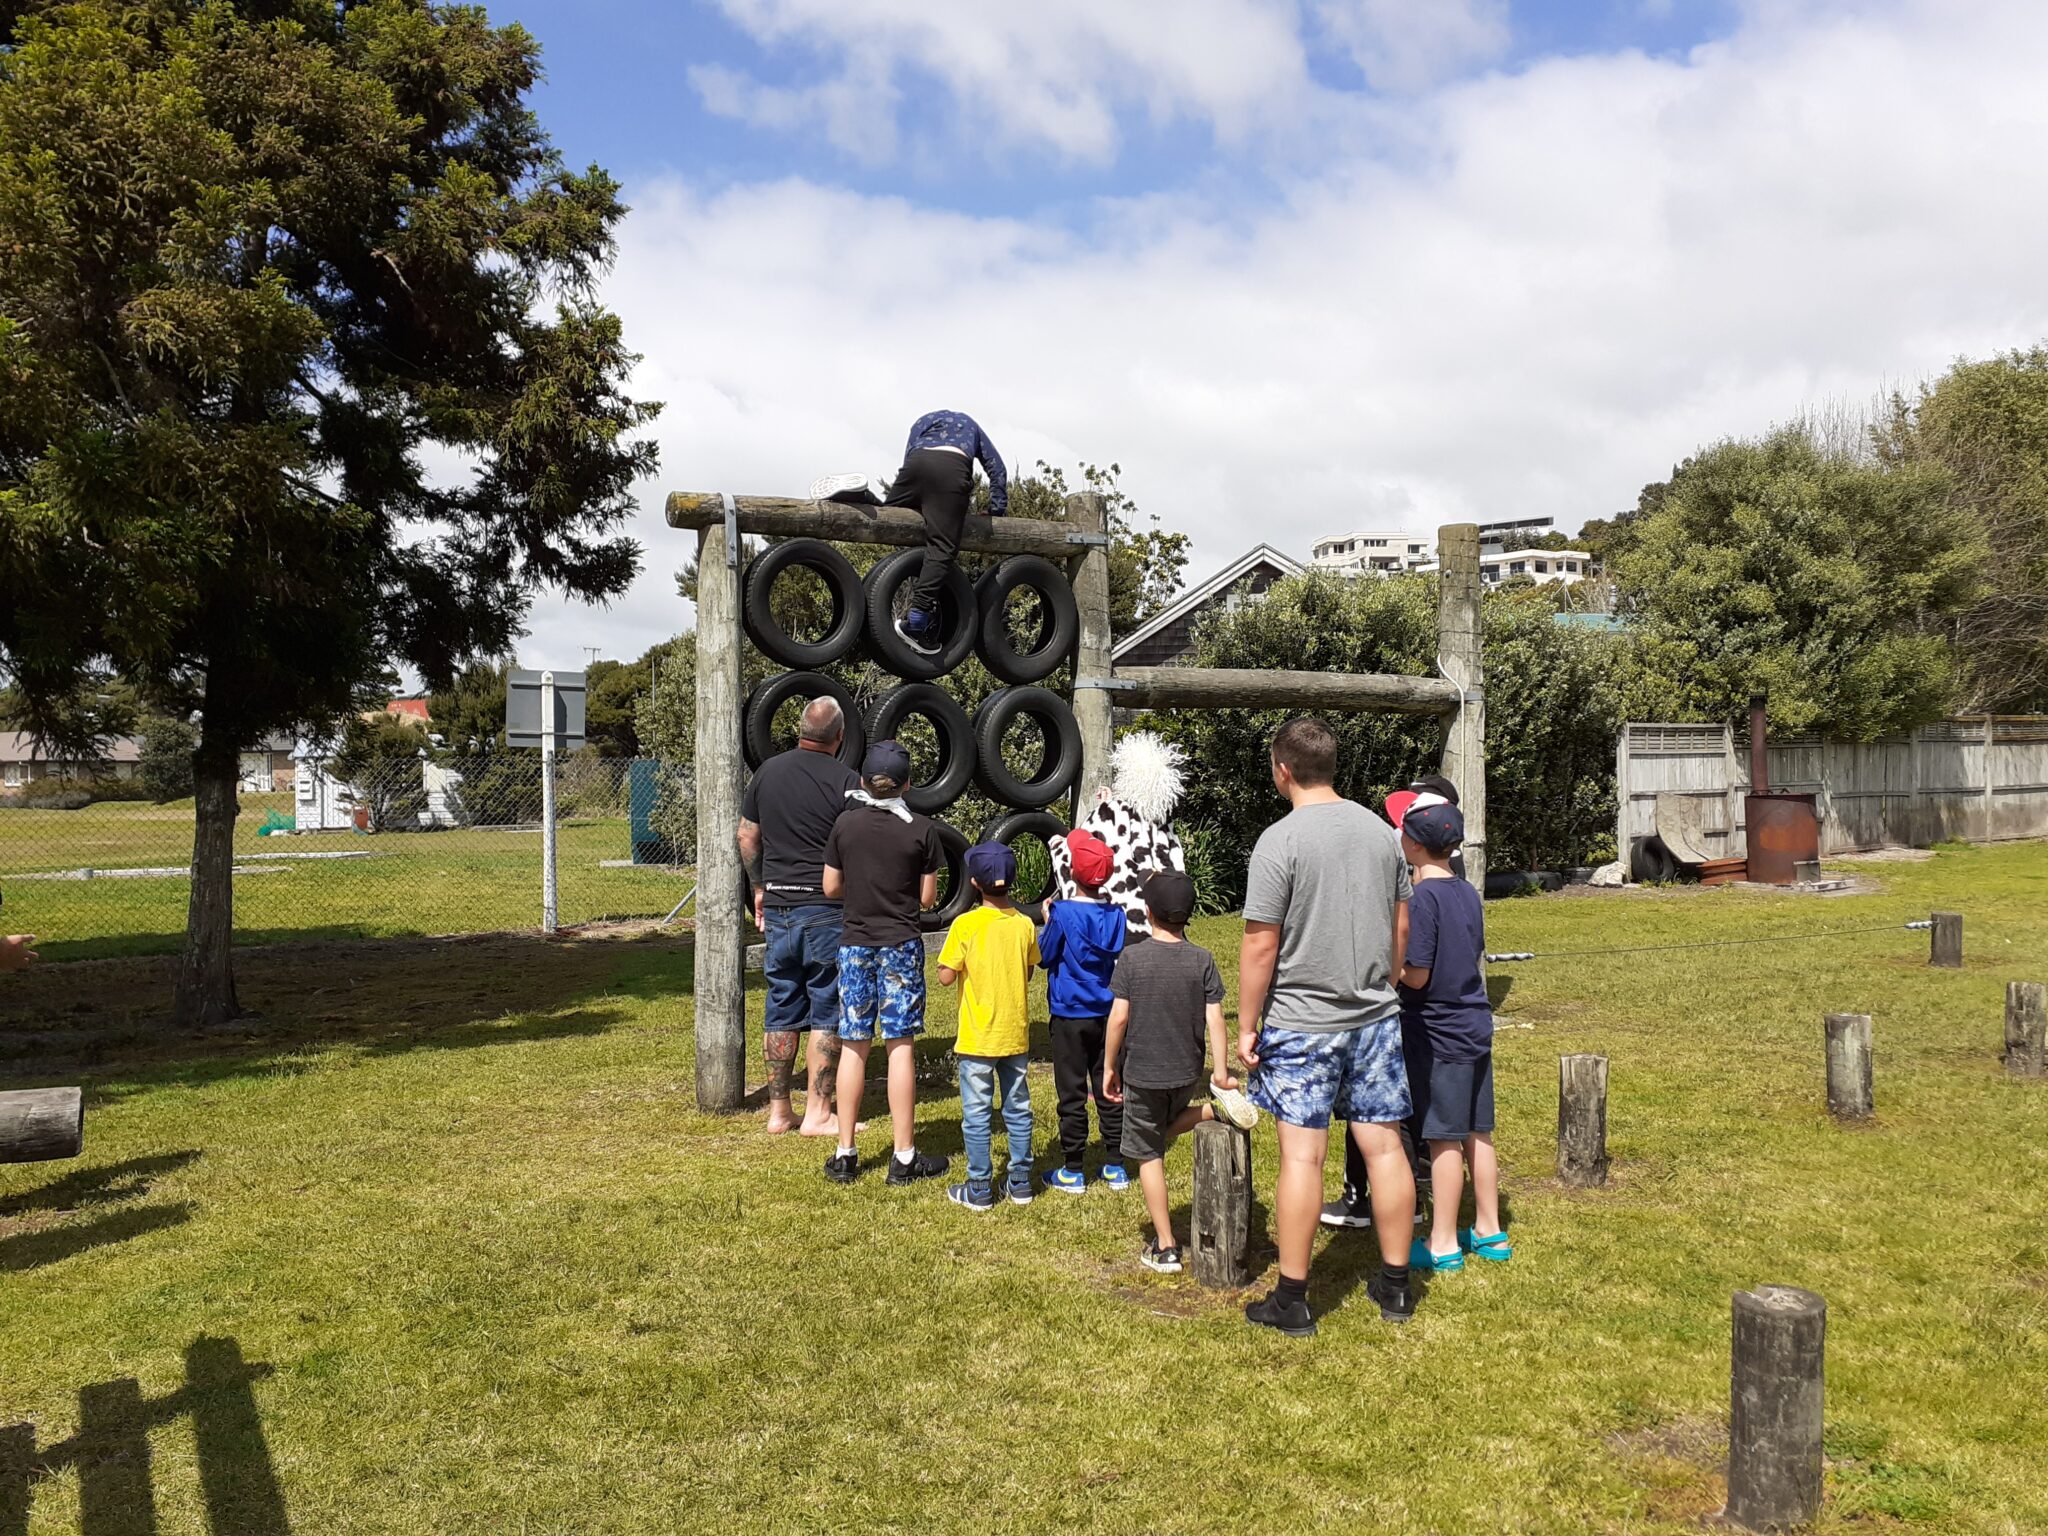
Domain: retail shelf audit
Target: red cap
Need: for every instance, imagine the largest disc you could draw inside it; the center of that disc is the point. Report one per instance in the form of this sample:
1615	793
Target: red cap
1090	857
1402	801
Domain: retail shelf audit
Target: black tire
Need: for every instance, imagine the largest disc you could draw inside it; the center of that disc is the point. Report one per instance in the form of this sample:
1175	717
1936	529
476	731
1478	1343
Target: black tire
959	894
757	736
1062	759
956	741
958	619
1653	862
1044	826
1059	626
849	604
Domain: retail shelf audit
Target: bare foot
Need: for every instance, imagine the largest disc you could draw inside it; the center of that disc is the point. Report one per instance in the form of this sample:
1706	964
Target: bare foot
829	1126
780	1121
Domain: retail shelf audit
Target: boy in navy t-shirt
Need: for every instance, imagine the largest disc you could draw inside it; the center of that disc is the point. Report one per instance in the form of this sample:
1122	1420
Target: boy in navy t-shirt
1079	948
1447	1038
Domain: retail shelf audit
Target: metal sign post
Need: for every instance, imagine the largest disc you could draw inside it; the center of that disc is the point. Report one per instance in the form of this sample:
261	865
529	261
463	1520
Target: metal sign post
547	802
545	710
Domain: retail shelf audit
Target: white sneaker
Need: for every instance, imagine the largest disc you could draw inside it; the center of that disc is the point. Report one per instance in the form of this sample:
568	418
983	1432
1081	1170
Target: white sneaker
829	487
1233	1107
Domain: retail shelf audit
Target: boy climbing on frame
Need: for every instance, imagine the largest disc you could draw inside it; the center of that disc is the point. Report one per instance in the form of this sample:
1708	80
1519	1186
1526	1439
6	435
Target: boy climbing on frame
937	482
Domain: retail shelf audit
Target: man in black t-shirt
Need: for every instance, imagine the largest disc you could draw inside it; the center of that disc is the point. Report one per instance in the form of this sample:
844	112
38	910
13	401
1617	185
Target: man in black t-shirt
787	814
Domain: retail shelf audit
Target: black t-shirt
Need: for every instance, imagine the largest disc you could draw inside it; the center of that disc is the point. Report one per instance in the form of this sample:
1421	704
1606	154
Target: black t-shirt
1169	987
794	798
884	860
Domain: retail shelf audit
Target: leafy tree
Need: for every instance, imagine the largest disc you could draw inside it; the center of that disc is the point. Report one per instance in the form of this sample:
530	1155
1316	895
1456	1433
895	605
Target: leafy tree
256	261
469	714
1985	426
165	767
380	759
1145	561
1820	579
611	695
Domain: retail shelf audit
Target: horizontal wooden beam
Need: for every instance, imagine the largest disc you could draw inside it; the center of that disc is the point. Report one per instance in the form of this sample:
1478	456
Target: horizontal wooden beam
842	522
1242	688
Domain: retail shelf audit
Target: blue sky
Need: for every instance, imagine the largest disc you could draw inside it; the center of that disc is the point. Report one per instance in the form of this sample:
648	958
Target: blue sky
1298	266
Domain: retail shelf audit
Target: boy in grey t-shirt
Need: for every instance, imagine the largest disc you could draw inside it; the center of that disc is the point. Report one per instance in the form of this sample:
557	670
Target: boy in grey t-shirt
1166	995
1325	915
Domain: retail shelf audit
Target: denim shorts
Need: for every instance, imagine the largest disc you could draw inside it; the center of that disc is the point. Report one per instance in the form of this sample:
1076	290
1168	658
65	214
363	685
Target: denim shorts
1354	1074
801	963
881	985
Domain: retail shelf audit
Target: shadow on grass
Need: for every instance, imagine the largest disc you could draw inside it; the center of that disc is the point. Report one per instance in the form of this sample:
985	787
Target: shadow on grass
50	1245
111	1453
38	1244
85	1187
109	1019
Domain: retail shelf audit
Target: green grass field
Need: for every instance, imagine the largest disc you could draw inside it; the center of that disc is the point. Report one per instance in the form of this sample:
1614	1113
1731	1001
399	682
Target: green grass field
439	1244
412	883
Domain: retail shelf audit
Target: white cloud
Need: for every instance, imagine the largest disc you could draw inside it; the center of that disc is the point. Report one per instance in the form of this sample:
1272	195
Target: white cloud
1400	45
1571	277
1043	72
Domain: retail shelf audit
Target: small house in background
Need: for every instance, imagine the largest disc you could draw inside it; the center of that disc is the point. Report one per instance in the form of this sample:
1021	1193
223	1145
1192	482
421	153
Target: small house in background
320	801
267	768
1167	637
23	763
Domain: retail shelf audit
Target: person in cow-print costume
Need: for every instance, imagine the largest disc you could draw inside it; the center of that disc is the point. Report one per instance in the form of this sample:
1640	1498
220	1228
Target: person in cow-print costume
1130	814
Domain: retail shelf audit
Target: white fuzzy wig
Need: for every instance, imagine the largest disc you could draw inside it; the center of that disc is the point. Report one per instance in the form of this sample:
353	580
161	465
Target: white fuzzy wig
1145	772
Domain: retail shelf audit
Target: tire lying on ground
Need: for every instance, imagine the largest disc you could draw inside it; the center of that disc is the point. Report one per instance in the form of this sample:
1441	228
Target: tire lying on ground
1057	630
1653	862
959	895
1062	763
1044	826
949	723
849	604
757	734
957	618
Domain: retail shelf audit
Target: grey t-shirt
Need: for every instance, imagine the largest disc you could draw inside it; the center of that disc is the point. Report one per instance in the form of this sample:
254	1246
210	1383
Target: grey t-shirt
1331	876
1169	987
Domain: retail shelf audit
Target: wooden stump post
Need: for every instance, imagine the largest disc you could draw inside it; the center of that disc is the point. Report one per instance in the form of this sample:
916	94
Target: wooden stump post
1458	654
2026	1028
1092	706
1582	1121
1219	1250
1849	1077
1945	941
720	984
1776	1383
38	1125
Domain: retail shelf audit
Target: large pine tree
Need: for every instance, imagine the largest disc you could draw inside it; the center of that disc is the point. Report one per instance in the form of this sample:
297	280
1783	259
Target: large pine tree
260	265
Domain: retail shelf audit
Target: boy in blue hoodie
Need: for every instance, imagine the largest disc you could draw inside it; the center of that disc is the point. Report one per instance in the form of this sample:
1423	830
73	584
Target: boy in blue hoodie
1079	947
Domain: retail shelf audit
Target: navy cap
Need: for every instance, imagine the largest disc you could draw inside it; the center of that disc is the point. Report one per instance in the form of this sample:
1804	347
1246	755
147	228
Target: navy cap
1169	895
1439	828
991	866
886	760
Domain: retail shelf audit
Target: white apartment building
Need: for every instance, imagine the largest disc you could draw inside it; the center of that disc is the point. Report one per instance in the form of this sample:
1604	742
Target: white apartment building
1376	552
1570	566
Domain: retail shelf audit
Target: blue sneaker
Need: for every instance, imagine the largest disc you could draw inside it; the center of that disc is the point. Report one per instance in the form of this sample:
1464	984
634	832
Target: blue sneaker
1068	1181
1114	1177
976	1196
1022	1189
919	629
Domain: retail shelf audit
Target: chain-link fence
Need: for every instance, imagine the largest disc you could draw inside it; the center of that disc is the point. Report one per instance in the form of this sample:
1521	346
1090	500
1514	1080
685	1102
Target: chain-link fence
413	846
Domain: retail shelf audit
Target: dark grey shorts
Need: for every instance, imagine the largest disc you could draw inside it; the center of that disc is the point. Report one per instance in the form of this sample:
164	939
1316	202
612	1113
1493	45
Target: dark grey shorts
1147	1114
1455	1097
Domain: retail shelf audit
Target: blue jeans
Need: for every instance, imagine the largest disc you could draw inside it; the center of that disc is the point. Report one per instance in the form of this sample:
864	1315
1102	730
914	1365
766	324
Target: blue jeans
802	966
980	1079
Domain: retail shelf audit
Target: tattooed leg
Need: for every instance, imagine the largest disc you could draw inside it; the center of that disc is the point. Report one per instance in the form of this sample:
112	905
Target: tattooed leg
821	1084
779	1047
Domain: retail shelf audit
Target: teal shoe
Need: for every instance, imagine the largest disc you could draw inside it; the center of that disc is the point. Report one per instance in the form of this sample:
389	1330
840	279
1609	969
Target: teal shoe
1419	1257
1495	1248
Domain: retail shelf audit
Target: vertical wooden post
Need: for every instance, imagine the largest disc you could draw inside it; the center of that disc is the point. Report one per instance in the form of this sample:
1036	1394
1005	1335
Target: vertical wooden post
1849	1075
1092	706
1990	779
1776	1387
1459	658
1945	941
1582	1121
720	985
2026	1028
1219	1253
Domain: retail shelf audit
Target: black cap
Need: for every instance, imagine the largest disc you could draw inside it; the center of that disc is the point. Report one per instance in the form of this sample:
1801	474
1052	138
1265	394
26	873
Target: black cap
1169	896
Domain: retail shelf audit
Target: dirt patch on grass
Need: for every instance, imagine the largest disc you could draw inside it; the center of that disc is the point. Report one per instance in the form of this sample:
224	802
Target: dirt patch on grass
1680	1464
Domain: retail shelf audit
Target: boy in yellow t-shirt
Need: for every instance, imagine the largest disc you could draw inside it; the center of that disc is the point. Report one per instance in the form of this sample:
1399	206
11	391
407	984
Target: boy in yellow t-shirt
990	951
